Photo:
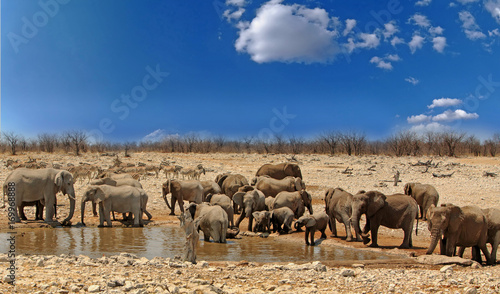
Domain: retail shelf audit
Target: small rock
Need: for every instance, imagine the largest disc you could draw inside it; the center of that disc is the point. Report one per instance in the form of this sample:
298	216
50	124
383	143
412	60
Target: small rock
470	290
40	263
94	289
358	265
475	265
447	268
347	273
128	286
7	279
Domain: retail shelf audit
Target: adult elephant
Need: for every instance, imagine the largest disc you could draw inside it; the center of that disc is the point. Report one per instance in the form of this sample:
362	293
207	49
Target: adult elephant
425	195
117	182
249	201
210	187
457	226
212	220
121	199
30	185
190	190
225	202
229	184
297	201
271	187
280	171
396	211
338	206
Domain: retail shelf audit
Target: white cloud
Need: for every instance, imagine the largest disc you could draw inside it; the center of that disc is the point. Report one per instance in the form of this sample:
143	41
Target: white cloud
416	42
390	29
420	20
381	63
471	29
349	25
418	119
288	33
412	80
439	44
239	3
423	3
396	40
436	30
235	15
450	115
430	127
393	57
464	2
444	102
494	33
367	41
493	7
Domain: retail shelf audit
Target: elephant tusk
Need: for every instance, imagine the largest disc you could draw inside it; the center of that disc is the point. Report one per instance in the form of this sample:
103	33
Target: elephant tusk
71	197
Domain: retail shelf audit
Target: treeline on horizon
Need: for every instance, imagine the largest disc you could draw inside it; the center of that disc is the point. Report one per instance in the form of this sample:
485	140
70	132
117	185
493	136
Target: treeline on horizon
405	143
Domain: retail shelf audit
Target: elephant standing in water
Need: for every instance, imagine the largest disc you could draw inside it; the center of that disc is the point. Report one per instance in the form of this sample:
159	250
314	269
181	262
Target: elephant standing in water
190	190
30	185
425	195
280	171
212	221
318	221
396	211
458	226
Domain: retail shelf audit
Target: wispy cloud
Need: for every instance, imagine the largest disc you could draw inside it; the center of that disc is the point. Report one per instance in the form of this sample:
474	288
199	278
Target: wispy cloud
430	127
420	20
423	3
385	62
445	102
493	7
412	80
471	29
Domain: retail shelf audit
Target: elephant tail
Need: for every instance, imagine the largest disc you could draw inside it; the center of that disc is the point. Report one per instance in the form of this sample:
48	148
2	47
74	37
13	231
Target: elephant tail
416	229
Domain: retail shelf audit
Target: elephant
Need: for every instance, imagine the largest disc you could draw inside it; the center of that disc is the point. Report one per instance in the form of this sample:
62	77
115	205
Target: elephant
317	221
338	204
30	185
282	219
249	201
229	184
116	181
121	199
271	187
493	219
190	190
280	171
212	221
424	194
210	187
225	202
297	201
396	211
262	221
453	226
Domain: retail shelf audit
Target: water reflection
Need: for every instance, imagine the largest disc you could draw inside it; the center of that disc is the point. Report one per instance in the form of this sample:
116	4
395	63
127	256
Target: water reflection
169	242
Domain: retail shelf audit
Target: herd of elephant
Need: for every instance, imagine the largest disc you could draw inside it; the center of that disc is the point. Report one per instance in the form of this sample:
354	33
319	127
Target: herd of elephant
274	198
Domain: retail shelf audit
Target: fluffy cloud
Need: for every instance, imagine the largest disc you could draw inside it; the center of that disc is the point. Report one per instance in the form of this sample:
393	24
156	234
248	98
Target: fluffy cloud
366	41
494	33
397	40
385	62
471	29
493	7
412	80
416	42
349	25
444	102
430	127
390	29
450	115
439	43
420	20
288	33
234	15
436	30
423	3
418	119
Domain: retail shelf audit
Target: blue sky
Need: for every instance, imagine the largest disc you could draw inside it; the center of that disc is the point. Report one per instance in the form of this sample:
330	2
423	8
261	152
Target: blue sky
132	70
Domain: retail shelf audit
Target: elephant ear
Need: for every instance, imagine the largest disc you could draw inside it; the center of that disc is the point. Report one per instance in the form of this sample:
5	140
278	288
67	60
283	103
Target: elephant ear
192	209
109	181
209	197
306	197
99	195
376	201
59	180
256	214
175	186
407	189
310	222
238	198
288	169
456	217
430	212
299	184
220	179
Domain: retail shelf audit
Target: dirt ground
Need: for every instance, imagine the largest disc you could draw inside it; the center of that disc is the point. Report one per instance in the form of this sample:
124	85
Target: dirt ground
466	186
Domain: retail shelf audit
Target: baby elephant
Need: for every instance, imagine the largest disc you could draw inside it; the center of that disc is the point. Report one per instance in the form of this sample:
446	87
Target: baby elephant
262	221
317	221
282	219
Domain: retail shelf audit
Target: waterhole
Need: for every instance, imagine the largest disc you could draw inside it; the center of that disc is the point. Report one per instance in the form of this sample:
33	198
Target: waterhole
169	242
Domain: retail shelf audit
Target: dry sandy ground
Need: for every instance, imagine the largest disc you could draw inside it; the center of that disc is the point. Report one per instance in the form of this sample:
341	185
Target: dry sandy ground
467	186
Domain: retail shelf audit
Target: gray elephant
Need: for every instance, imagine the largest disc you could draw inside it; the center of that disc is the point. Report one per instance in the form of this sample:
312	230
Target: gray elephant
120	199
396	211
317	221
338	206
249	201
271	187
210	187
190	190
424	194
229	184
212	221
282	219
297	201
28	185
262	221
458	226
225	202
116	181
280	171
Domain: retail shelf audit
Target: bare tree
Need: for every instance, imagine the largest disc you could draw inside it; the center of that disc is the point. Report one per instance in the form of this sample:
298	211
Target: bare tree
473	145
12	140
77	139
352	142
47	142
190	141
451	140
296	144
331	139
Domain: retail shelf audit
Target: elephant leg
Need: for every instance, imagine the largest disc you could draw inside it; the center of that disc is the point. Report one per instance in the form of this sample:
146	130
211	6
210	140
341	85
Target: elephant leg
148	214
476	254
486	253
49	208
242	216
374	232
494	247
250	222
461	250
101	216
137	218
22	216
311	233
347	224
39	211
333	226
442	245
323	235
173	199
450	246
306	235
407	241
94	208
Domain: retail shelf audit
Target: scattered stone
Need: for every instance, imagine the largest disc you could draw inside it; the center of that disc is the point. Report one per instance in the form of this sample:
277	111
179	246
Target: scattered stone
347	273
94	289
358	265
443	259
470	290
447	269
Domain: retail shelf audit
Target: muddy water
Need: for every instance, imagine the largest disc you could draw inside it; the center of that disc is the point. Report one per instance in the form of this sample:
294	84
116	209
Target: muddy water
168	242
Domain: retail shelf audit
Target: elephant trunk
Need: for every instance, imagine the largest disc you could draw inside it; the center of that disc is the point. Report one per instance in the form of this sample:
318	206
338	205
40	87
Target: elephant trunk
355	217
72	203
310	208
435	237
83	211
166	200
